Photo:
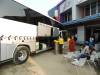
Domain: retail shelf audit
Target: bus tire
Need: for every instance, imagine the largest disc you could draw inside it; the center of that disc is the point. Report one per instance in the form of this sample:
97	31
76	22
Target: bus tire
21	54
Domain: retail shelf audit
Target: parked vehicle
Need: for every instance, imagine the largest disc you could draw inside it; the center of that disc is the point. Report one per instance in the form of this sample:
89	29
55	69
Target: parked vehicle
18	40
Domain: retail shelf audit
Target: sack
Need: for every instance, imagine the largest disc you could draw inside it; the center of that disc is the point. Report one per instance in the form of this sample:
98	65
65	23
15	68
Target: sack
97	61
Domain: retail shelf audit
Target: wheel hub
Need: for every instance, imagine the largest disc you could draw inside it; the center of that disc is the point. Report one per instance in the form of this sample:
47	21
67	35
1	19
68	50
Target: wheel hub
22	55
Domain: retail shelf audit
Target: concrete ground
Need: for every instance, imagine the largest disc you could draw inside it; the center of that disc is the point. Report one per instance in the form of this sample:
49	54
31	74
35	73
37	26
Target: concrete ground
56	65
46	63
28	68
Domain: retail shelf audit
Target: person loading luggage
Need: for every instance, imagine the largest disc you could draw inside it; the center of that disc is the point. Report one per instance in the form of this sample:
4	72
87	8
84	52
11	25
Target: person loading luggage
60	42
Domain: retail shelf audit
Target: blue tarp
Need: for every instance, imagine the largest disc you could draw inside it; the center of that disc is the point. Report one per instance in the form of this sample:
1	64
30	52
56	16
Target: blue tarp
82	20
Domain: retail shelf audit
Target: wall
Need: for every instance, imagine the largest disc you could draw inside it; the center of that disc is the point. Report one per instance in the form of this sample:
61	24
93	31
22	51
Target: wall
66	5
11	8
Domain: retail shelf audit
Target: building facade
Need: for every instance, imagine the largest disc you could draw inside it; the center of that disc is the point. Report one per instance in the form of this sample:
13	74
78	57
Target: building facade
79	17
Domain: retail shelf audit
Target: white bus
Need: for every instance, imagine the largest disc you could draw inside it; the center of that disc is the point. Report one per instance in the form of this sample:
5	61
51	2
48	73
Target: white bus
22	31
18	40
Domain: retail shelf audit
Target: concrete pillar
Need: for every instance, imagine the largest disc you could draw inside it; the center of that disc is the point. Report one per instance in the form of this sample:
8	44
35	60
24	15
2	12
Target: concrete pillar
80	34
74	10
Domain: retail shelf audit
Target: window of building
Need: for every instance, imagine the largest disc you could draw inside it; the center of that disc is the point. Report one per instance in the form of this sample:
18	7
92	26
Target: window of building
66	16
69	16
62	17
81	12
99	6
93	8
87	10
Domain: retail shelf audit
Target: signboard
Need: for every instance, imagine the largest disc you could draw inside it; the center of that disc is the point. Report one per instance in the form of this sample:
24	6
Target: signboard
43	29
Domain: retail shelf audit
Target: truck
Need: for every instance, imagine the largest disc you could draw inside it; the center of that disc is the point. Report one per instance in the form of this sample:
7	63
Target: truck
18	40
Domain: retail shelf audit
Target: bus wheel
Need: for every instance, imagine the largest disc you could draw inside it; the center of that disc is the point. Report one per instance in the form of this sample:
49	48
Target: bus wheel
21	54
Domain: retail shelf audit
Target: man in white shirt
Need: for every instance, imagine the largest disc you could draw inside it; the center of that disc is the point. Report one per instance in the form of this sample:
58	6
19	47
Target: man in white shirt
85	52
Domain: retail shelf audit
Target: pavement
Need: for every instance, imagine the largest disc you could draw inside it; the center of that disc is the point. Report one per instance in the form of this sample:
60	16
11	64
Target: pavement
28	68
56	65
47	63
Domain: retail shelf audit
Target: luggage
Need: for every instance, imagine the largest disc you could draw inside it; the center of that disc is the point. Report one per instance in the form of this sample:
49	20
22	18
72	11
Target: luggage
97	61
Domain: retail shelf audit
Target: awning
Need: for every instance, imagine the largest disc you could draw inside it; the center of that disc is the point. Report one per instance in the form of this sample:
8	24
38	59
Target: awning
82	20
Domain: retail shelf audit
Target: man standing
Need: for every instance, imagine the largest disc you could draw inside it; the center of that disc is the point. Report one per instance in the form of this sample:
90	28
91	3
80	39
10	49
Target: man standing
61	42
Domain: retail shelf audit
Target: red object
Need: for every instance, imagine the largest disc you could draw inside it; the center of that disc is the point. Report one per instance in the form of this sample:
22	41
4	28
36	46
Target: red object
72	45
57	18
